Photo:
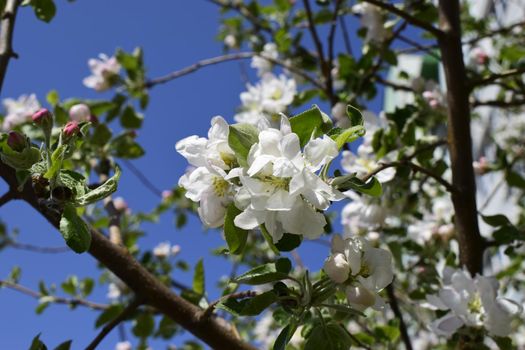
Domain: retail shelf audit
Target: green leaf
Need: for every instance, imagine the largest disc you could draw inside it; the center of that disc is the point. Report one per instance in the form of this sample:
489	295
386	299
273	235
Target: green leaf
74	230
167	328
235	236
240	139
504	343
289	242
100	192
284	337
331	337
86	286
198	278
70	285
345	309
269	239
351	182
355	116
144	325
248	306
45	10
508	234
130	119
23	160
74	181
343	136
124	146
52	98
283	265
56	161
101	135
109	314
308	124
496	220
515	180
261	274
37	344
65	345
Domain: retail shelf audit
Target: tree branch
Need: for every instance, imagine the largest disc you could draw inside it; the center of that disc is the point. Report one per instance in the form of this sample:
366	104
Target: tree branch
37	249
126	313
225	58
7	197
331	39
7	26
397	312
117	259
496	76
500	104
459	137
52	298
406	16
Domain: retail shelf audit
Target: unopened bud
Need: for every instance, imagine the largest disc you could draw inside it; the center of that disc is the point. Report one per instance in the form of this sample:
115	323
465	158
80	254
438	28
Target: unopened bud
93	119
166	194
71	129
79	113
17	141
337	268
41	116
120	204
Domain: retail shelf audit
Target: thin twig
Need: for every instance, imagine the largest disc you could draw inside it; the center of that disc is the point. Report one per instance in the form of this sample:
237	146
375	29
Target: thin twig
126	313
225	58
7	26
395	308
500	104
331	39
418	46
502	30
243	11
142	178
51	298
37	249
378	78
496	76
346	36
406	16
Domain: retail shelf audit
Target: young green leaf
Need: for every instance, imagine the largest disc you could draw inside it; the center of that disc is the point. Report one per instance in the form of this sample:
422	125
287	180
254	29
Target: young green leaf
307	124
100	192
235	237
240	139
74	230
351	182
198	278
261	274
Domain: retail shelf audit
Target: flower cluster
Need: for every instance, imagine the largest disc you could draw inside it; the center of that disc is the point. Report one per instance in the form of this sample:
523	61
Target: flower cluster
362	270
276	185
372	20
19	111
103	71
471	302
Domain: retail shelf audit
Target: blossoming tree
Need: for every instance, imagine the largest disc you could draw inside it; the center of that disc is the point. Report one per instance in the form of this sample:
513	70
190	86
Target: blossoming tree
428	253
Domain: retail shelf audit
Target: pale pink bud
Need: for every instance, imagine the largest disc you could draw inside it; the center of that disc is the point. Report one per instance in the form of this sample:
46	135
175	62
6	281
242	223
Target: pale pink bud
79	113
71	129
41	116
166	194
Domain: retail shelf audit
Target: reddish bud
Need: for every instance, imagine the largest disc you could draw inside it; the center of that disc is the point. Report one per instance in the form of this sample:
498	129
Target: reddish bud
71	129
17	141
41	116
132	133
93	119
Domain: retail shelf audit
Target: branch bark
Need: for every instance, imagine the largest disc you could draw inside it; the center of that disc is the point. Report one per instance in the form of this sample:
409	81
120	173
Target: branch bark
459	137
399	315
7	27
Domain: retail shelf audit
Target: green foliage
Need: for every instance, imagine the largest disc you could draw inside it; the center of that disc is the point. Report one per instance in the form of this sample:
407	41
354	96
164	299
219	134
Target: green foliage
235	237
240	139
74	230
263	274
310	124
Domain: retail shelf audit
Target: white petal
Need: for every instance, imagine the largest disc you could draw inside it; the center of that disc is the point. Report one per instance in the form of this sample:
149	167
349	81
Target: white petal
303	220
320	151
446	325
193	148
337	268
248	219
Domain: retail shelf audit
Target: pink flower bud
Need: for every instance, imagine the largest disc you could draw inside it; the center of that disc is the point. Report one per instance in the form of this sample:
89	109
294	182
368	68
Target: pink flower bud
482	166
71	129
166	194
41	116
93	119
17	141
79	113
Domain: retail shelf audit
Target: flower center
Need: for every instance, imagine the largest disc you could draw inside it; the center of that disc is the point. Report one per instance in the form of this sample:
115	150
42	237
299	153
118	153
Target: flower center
474	304
228	159
277	94
220	186
278	182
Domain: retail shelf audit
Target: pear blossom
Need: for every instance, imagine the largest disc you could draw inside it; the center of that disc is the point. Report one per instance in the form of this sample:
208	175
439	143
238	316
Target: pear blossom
280	187
103	70
19	111
472	302
165	249
372	20
114	291
260	62
265	100
230	41
362	271
123	345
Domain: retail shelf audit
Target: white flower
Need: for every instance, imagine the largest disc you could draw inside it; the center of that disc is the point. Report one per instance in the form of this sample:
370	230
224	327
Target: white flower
120	204
260	62
265	100
437	223
114	291
79	112
472	302
214	150
372	20
363	214
208	186
19	111
362	269
340	116
123	345
280	187
364	162
230	41
103	70
162	250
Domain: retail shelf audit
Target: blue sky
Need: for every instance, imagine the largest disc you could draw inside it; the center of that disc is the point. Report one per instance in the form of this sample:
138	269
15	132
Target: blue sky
53	56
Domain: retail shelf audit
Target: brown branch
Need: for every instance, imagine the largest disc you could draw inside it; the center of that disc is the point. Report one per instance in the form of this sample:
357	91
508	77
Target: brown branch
406	16
397	312
418	46
7	197
141	281
500	104
225	58
324	65
331	39
125	314
346	36
496	76
502	30
459	137
53	299
378	78
7	26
